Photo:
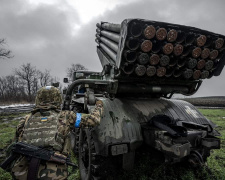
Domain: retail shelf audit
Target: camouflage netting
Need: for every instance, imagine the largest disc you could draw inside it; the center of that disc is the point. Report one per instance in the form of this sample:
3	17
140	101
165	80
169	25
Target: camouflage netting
48	95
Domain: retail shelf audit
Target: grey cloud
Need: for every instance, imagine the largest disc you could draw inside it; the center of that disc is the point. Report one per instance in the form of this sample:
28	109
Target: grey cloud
56	48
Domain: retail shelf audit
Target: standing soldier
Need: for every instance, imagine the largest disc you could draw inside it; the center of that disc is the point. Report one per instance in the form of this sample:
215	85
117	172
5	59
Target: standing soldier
48	127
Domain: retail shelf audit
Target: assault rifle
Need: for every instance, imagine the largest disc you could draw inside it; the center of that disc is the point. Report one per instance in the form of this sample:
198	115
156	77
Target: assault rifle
33	152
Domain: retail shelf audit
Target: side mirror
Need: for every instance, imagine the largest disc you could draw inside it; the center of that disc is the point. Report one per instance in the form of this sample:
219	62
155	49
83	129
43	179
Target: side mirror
65	80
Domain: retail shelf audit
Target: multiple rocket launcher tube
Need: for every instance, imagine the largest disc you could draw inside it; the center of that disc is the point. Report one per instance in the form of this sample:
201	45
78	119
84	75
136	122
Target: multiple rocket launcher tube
158	51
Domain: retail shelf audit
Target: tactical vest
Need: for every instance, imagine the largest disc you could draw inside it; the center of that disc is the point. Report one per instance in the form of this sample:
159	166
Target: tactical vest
42	130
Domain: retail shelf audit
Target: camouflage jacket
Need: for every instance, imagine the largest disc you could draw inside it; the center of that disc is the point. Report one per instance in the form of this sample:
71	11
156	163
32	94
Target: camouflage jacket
65	123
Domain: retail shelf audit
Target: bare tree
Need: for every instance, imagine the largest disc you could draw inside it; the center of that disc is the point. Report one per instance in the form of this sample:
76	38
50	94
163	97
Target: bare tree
28	74
4	53
73	68
45	78
3	87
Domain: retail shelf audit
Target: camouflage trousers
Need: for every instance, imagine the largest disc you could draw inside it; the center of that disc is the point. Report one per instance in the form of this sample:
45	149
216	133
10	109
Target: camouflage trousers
47	170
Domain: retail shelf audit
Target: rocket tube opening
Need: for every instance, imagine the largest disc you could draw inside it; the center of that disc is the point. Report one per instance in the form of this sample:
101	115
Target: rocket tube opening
204	74
177	72
213	54
149	32
168	48
161	71
146	46
136	29
196	52
140	70
205	53
180	36
130	56
169	72
172	35
156	46
219	43
161	34
128	68
201	40
209	65
201	64
181	62
191	63
154	59
209	41
164	60
197	74
132	43
151	70
143	58
173	62
178	50
188	73
187	49
190	37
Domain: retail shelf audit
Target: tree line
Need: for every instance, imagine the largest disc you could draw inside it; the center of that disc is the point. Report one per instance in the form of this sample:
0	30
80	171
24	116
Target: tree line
24	82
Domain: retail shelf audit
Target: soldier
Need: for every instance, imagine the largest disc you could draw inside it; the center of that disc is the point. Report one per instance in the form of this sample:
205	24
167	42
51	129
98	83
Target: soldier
50	128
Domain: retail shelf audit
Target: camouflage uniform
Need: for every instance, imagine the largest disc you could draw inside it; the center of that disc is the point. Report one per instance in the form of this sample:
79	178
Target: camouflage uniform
48	127
95	117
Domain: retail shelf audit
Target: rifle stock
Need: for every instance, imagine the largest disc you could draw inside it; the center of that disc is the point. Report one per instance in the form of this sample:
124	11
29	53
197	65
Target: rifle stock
31	151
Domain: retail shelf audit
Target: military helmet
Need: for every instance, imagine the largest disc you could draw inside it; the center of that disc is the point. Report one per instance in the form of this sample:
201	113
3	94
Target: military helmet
48	95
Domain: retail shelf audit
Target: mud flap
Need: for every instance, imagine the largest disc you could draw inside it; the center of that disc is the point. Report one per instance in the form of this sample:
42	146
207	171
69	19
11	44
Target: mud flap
128	161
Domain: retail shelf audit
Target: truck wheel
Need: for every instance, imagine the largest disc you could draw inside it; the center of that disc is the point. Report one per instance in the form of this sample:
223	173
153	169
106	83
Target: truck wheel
86	156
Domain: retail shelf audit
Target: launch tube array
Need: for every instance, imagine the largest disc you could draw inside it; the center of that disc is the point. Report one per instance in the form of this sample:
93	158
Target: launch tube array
154	49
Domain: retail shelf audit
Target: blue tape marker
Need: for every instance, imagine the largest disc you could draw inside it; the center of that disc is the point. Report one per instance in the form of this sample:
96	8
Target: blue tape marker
44	118
78	120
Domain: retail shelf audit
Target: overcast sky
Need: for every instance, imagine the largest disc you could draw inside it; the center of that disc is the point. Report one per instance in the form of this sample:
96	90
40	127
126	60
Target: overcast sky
52	34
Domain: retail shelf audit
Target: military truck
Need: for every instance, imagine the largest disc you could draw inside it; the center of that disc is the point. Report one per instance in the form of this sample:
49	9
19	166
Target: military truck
144	63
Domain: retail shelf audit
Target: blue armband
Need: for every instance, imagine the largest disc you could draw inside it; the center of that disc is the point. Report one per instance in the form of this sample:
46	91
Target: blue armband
78	120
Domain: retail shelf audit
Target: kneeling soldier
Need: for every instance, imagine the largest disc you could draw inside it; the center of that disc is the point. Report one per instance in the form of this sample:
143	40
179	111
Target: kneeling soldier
49	128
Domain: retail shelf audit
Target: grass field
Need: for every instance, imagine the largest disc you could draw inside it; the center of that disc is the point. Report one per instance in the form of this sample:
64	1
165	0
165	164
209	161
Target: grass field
147	167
